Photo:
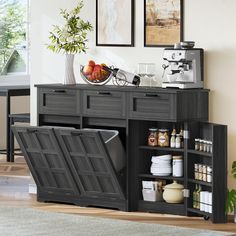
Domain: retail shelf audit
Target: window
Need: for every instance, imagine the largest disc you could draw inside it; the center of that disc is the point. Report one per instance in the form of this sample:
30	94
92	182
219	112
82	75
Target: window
13	37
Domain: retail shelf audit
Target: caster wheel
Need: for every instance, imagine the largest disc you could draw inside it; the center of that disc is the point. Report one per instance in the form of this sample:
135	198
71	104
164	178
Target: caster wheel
206	217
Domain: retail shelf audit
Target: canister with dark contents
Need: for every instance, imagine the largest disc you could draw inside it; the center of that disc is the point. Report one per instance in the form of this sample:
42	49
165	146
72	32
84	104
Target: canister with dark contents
153	137
163	138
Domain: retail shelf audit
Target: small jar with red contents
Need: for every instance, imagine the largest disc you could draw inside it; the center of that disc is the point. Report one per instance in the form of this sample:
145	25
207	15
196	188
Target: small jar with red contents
153	137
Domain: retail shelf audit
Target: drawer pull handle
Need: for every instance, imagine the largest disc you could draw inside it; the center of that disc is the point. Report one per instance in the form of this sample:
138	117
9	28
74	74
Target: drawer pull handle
151	95
32	131
76	133
104	93
59	91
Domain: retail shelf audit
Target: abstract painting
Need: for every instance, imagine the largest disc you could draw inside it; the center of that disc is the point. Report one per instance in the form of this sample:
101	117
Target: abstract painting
115	22
163	22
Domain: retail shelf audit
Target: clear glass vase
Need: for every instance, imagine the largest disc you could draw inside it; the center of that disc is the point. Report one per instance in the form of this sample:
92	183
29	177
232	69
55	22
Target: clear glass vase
69	70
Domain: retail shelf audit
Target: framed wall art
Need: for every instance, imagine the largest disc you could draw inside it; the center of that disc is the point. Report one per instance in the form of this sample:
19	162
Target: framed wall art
163	22
115	23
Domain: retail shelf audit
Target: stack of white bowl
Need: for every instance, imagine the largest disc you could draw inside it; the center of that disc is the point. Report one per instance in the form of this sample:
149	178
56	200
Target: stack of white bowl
161	165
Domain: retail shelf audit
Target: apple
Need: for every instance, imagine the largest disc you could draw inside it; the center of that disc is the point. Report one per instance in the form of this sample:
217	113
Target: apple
97	68
91	63
87	70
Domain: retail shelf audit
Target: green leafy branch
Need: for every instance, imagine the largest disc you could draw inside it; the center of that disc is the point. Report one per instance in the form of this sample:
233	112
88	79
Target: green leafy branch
72	37
231	195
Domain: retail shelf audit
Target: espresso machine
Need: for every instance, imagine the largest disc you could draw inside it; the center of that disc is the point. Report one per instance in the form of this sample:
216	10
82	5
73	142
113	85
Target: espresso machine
184	68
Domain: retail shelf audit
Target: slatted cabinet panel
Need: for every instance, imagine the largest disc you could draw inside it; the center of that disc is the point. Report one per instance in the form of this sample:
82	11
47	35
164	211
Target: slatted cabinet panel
90	163
45	159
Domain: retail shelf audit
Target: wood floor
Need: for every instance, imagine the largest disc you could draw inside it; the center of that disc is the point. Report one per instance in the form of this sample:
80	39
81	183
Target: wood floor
14	180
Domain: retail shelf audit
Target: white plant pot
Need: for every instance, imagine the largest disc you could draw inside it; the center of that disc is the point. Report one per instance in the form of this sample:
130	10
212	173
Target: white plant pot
69	70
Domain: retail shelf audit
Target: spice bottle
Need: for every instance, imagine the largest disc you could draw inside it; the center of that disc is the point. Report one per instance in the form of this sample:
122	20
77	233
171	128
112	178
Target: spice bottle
200	145
204	146
196	172
209	174
196	144
210	146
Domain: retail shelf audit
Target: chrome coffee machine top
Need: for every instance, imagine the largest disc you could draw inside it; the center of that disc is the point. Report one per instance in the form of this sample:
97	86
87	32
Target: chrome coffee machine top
185	67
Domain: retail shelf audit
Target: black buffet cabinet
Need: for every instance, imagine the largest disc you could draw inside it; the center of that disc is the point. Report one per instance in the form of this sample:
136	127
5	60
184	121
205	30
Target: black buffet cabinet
72	164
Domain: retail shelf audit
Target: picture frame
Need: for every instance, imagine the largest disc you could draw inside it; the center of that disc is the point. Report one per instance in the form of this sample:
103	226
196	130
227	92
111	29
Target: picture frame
115	23
163	22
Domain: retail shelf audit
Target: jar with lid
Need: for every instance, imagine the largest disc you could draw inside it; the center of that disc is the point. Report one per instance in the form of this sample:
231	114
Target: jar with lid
210	146
209	174
177	166
204	173
200	145
196	171
163	138
204	145
196	144
200	171
153	137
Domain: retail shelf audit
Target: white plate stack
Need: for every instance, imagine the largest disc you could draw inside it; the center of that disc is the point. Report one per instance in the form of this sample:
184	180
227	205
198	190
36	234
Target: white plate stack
161	165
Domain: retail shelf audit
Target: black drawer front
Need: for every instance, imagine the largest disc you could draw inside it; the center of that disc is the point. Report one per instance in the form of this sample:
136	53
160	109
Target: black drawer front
58	101
104	104
151	105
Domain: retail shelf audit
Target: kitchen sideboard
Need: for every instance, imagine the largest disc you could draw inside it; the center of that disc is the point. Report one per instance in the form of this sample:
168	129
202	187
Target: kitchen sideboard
72	172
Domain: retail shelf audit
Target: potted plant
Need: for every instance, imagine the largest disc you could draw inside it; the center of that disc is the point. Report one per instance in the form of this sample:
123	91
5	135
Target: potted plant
70	38
231	195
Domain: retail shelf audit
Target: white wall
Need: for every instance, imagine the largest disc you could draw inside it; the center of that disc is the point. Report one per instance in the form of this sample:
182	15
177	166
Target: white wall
209	23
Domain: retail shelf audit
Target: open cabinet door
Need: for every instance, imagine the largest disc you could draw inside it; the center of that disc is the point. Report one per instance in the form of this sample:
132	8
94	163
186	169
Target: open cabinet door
90	163
46	162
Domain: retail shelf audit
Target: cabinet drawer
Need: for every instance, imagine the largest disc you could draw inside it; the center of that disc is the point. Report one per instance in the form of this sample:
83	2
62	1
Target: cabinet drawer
104	103
58	101
152	105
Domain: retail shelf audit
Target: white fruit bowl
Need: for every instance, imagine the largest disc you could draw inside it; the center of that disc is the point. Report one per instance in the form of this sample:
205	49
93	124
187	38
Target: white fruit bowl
102	81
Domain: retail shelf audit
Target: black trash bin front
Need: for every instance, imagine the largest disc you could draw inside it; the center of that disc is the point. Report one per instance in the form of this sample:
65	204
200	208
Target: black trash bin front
81	166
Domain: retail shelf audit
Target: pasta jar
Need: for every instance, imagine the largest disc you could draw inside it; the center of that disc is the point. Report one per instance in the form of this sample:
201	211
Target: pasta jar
163	138
153	137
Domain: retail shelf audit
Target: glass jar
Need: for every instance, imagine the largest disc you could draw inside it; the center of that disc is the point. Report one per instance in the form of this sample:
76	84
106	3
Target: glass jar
204	146
204	173
177	166
153	137
209	174
163	138
200	145
196	171
199	172
210	146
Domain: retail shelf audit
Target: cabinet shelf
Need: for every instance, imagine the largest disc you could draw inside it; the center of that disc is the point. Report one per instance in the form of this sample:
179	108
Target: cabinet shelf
200	153
197	211
199	182
163	207
145	147
161	177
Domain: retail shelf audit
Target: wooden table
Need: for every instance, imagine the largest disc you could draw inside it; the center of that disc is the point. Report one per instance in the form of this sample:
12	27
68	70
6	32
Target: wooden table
8	91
